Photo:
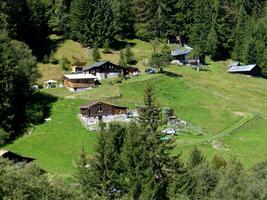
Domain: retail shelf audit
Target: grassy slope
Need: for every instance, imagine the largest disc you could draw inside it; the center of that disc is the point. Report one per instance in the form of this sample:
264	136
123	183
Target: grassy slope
212	99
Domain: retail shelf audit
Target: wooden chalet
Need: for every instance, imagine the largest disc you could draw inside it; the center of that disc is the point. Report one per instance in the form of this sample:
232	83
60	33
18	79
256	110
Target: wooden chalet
14	157
99	109
79	81
253	70
106	69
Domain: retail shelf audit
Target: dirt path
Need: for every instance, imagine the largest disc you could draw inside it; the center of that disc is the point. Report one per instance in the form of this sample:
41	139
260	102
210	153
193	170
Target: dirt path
247	117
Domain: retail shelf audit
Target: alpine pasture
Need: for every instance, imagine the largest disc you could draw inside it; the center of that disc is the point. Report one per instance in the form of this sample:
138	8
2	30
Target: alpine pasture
230	109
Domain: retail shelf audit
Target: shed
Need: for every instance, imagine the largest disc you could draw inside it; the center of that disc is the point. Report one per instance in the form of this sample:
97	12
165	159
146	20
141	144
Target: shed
50	84
180	54
79	81
14	157
253	70
99	109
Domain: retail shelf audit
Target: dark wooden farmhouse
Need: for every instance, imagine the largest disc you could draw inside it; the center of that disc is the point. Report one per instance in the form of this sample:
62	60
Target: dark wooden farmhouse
15	158
79	81
253	70
106	69
99	109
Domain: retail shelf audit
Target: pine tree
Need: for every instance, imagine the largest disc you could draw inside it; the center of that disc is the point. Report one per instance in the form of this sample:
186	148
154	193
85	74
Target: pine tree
82	175
196	158
106	47
147	158
129	56
123	17
184	18
81	15
95	53
240	34
201	26
143	14
212	44
249	52
122	61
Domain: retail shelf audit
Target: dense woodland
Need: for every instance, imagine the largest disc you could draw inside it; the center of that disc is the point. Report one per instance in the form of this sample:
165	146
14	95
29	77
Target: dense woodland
130	162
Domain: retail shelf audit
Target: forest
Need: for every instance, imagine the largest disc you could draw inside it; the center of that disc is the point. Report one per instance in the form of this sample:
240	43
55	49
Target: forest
130	161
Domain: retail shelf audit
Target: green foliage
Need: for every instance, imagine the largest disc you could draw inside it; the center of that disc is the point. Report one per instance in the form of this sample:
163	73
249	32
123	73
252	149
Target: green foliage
106	47
218	162
64	63
196	158
59	17
122	61
29	182
96	54
82	175
123	17
19	73
91	21
129	56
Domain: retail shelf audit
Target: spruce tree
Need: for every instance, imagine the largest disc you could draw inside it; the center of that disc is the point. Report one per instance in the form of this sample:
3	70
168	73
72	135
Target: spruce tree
95	53
196	158
122	61
129	56
123	17
106	47
212	44
82	175
147	159
240	33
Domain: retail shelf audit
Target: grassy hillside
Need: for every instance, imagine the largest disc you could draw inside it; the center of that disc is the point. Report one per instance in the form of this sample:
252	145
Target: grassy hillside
230	109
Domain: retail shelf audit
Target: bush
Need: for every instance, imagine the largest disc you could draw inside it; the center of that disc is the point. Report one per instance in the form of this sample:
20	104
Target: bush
106	47
64	63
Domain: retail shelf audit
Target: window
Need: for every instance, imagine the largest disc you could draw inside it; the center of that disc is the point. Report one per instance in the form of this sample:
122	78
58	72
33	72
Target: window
100	110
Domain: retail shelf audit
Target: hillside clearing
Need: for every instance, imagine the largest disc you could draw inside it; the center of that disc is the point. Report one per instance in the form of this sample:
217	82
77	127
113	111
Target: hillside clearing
213	100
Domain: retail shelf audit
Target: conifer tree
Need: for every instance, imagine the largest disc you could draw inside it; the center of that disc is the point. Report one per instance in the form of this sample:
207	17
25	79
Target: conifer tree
147	158
129	55
240	34
123	17
196	158
122	61
95	53
106	47
212	44
82	175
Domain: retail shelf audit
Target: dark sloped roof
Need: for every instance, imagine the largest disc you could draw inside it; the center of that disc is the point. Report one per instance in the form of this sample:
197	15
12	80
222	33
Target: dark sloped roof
92	103
244	68
181	52
96	64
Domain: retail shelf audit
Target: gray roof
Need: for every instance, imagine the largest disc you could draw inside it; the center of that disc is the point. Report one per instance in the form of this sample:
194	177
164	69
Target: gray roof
234	64
96	64
180	52
244	68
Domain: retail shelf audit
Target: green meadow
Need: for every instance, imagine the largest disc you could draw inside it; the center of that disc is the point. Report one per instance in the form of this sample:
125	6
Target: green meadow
230	109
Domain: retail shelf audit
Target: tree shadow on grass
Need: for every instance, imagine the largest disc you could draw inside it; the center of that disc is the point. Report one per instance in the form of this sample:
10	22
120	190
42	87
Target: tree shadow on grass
47	47
118	45
37	111
41	107
171	74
